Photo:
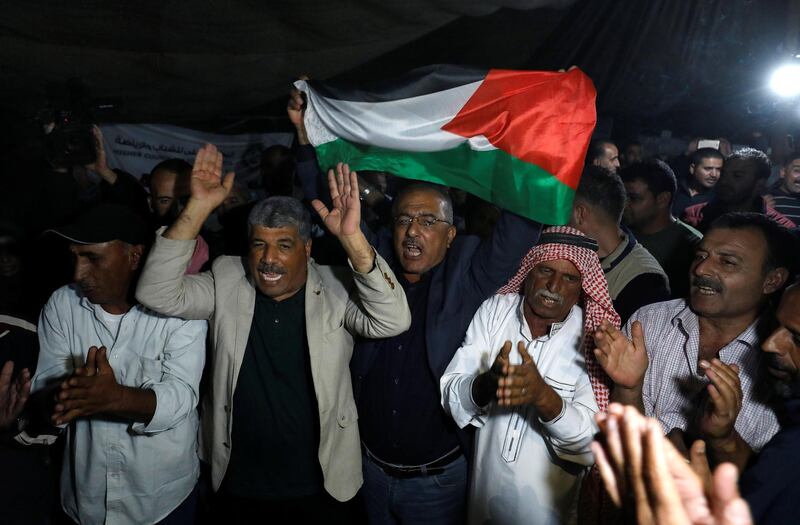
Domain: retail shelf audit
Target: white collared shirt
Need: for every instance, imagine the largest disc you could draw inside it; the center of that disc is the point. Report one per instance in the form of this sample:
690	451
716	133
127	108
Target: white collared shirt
117	471
526	470
673	386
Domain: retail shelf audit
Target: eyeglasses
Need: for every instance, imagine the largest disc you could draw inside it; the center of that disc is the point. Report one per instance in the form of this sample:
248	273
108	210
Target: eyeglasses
426	221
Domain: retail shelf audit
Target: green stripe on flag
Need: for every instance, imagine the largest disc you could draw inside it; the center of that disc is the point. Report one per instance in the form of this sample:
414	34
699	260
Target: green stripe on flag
494	175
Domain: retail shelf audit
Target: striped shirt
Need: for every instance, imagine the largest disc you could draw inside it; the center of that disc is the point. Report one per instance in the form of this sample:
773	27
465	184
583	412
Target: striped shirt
787	204
672	386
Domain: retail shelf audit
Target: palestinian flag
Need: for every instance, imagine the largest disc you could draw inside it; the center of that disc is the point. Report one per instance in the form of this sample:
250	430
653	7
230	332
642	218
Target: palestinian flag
514	138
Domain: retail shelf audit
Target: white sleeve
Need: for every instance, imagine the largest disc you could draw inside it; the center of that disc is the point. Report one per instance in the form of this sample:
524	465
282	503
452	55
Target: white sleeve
474	357
55	355
572	432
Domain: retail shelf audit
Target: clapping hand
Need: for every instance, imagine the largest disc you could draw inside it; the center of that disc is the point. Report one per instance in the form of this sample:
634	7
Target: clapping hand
14	393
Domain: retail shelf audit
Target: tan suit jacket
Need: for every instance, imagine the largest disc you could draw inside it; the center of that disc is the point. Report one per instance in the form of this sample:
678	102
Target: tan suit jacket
340	303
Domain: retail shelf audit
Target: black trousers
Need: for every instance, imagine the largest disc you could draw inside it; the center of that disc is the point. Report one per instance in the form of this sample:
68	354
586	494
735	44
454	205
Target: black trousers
321	508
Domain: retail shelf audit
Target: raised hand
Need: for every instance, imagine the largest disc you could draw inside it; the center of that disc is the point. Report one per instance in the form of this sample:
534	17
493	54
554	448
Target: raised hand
724	399
100	164
91	390
345	218
295	110
208	186
14	393
624	360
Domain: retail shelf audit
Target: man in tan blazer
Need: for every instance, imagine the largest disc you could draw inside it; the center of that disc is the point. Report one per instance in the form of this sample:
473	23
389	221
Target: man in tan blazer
279	424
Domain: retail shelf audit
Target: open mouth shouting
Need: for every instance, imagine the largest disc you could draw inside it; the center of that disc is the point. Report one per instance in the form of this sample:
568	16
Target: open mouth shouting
411	249
270	273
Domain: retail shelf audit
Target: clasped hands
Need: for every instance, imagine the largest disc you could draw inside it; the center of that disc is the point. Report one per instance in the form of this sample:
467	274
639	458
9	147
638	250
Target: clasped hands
91	389
511	385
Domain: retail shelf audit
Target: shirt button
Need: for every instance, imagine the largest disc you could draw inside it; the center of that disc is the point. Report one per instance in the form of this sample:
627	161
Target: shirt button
276	321
399	347
396	380
394	412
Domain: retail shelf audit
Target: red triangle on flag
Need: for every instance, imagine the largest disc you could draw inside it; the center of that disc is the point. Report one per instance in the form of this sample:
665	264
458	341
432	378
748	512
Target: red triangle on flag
541	117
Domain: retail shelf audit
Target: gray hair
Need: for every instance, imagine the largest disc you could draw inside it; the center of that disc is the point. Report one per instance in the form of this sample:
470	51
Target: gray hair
280	212
437	189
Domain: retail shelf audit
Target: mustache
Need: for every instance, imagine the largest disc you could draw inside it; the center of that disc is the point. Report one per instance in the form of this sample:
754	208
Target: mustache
271	268
411	243
547	294
707	283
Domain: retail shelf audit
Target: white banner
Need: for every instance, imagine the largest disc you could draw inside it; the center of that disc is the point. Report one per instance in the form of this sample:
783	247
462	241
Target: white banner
137	148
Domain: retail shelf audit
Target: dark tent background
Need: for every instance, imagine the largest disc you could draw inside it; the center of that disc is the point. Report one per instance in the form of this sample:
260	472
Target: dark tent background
690	66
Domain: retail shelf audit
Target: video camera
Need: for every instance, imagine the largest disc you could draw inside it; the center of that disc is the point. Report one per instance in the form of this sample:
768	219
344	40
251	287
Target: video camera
70	141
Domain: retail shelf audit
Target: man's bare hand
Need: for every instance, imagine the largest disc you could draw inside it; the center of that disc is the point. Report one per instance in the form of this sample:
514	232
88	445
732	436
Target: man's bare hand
209	187
14	393
521	384
100	164
484	388
724	400
345	217
295	110
91	390
645	474
624	360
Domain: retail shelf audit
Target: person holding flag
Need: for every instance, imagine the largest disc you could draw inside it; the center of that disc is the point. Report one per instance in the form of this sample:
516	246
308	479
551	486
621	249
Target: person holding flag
415	467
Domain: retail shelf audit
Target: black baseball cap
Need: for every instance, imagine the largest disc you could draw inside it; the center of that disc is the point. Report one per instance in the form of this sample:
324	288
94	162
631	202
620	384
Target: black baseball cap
107	222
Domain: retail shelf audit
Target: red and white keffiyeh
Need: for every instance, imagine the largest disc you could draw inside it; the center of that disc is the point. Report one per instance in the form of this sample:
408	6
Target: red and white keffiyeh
595	300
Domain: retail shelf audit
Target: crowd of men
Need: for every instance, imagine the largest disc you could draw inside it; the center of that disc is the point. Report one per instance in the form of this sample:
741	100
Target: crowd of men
356	348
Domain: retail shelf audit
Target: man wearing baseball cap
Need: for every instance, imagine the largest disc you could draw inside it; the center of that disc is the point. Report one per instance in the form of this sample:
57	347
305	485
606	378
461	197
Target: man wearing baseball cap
125	381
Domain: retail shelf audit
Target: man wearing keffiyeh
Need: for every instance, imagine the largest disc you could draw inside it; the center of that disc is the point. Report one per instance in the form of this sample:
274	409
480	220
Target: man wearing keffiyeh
526	376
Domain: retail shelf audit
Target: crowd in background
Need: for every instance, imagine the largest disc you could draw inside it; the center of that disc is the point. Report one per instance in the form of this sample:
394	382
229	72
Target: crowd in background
666	292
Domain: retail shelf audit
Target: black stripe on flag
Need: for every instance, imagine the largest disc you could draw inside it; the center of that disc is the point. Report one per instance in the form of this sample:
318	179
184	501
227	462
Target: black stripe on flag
422	81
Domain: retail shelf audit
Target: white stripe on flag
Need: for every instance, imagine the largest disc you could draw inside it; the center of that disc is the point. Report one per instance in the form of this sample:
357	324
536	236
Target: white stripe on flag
410	124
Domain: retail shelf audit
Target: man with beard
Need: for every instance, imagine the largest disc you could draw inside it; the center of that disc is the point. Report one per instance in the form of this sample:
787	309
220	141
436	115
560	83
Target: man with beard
169	188
739	189
650	186
279	423
603	153
771	484
694	365
534	406
698	186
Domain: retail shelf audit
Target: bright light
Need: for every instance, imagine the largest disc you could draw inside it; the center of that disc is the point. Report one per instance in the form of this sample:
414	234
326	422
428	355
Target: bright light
785	80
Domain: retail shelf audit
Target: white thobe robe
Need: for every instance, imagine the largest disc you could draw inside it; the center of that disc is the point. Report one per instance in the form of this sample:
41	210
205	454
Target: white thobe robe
525	470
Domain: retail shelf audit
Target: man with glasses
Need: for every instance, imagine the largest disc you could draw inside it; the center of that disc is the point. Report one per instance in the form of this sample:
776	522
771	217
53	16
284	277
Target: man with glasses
415	469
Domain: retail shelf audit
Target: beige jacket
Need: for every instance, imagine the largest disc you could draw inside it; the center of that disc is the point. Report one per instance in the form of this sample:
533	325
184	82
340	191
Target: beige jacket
339	305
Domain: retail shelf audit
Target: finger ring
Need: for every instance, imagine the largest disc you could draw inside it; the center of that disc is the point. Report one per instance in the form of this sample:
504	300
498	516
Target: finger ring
523	390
